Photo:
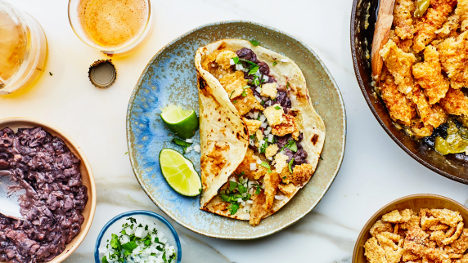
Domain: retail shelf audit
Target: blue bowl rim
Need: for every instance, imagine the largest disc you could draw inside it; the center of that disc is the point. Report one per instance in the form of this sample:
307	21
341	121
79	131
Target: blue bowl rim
137	212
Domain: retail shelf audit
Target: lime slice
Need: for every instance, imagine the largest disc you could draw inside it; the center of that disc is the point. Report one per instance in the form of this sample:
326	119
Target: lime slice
184	123
179	172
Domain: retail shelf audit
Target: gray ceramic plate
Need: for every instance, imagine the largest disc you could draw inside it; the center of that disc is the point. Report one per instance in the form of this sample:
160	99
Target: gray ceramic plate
170	77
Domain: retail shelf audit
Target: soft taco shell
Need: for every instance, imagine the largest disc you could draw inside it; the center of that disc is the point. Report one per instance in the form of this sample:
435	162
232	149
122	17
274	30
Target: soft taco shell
309	122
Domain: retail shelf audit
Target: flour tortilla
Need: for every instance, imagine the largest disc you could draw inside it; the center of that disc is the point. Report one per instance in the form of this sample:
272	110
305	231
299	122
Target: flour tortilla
214	98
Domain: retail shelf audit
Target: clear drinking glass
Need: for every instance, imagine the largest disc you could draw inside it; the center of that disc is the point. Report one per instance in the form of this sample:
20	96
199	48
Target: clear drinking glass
23	49
111	26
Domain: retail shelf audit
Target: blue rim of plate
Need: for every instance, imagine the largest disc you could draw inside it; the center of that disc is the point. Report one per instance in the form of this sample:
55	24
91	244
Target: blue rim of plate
132	213
140	80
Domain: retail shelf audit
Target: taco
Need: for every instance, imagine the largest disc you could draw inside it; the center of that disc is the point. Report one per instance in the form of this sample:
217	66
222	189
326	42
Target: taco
261	138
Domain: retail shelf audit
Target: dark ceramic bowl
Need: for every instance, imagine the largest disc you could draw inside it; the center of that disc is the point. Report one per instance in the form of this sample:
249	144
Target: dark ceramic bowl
450	166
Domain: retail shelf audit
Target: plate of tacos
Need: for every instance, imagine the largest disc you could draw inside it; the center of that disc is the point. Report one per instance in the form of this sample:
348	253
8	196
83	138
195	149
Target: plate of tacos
272	129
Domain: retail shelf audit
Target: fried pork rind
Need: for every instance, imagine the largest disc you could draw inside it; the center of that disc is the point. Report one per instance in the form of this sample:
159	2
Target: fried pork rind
461	245
380	227
452	52
233	83
410	243
247	103
403	18
428	75
217	63
252	125
455	236
432	20
301	174
455	102
271	182
404	45
447	217
244	167
373	252
287	126
400	108
449	28
462	12
258	209
392	217
430	115
287	189
399	64
382	248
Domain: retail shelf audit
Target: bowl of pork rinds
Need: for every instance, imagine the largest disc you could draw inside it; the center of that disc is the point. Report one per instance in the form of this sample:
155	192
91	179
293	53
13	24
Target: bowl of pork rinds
416	228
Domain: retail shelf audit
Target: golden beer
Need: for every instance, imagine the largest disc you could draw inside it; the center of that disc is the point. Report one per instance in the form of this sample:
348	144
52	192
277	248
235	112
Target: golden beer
112	26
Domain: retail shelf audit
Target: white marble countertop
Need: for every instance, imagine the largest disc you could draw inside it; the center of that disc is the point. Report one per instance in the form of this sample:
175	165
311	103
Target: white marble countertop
375	170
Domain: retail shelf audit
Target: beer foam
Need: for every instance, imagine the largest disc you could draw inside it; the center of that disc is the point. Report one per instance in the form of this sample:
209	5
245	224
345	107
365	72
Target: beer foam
113	23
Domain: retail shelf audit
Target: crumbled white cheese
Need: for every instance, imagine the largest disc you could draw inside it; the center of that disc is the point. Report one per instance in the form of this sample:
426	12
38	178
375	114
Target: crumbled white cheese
271	150
274	115
281	162
270	90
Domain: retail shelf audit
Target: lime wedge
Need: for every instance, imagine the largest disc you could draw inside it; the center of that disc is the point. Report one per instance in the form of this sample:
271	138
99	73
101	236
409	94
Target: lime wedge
179	172
184	123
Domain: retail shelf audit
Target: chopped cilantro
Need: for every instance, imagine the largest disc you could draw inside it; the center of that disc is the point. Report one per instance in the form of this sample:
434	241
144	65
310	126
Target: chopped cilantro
236	60
258	189
321	157
234	102
254	42
274	63
254	70
262	103
246	87
290	165
130	246
230	96
277	107
242	188
126	153
287	85
244	93
232	186
266	165
284	177
291	145
182	143
233	208
241	173
132	220
263	147
252	136
104	260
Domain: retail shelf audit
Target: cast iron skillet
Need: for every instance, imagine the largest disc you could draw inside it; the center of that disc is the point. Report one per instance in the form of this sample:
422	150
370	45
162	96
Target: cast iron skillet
450	166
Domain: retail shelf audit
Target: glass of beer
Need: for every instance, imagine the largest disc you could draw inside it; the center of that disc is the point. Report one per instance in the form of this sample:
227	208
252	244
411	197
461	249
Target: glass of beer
111	26
23	49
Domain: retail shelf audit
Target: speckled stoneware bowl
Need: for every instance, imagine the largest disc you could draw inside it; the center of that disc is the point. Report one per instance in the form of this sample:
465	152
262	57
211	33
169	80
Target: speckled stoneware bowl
451	166
415	202
86	176
170	77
